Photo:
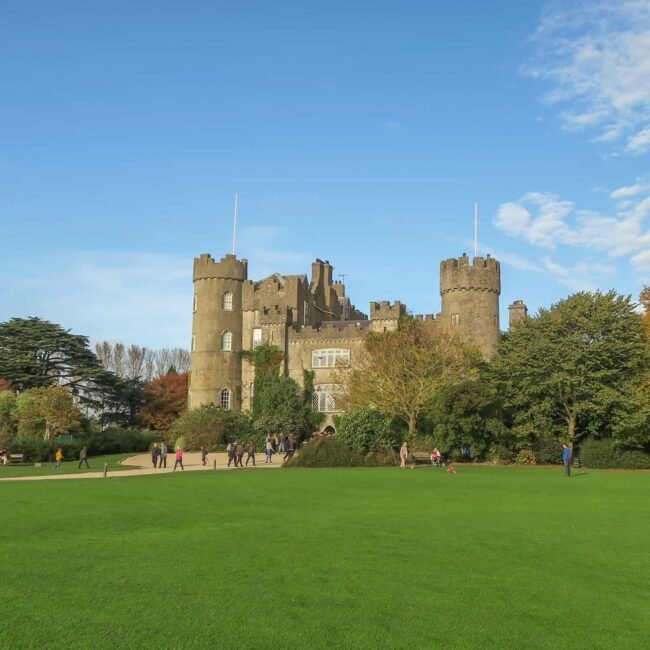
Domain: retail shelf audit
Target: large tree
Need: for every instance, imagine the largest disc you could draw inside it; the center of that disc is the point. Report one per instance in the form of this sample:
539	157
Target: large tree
36	353
46	412
571	369
399	372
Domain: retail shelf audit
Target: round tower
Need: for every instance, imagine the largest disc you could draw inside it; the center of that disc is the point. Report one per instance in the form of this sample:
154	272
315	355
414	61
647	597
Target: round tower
217	323
470	300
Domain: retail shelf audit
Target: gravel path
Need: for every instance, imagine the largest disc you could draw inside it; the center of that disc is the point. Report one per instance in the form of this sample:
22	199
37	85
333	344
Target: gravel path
142	466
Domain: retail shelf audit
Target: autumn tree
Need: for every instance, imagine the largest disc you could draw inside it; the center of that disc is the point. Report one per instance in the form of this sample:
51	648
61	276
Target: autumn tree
399	372
165	400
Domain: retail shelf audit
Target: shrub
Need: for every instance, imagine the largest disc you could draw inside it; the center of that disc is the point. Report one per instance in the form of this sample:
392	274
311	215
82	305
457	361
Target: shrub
366	430
211	426
603	454
326	452
548	451
500	454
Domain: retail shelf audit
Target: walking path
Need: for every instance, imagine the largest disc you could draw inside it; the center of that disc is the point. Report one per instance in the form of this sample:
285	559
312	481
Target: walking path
142	466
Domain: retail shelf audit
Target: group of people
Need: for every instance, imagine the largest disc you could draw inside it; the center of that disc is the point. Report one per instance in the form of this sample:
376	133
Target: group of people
159	456
5	457
236	450
283	444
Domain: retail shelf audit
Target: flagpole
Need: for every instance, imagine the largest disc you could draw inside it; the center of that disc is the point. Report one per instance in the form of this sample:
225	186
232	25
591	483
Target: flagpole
234	226
475	229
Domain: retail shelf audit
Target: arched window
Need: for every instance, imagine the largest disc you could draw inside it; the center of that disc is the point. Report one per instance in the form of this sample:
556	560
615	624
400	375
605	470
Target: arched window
227	301
324	397
226	341
224	398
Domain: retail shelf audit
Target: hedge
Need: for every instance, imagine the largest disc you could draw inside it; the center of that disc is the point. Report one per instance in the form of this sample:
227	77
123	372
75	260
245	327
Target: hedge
603	454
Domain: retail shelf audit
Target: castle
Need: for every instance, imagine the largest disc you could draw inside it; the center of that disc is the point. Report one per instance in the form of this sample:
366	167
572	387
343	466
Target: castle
314	323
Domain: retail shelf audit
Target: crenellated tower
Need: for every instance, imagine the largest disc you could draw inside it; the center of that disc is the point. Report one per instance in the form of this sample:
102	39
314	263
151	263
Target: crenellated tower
217	331
470	300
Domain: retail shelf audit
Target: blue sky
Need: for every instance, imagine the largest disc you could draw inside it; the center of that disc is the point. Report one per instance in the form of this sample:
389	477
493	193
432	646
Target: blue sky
356	132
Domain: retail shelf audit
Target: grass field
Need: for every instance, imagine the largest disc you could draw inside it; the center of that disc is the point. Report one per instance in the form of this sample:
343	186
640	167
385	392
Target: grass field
359	558
67	467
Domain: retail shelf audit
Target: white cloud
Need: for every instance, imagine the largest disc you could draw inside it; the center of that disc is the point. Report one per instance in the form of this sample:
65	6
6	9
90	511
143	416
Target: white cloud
596	56
552	223
577	278
628	191
639	142
641	261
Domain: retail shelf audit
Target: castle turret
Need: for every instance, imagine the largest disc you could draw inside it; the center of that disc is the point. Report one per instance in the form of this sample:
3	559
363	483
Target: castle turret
470	300
385	316
217	331
517	312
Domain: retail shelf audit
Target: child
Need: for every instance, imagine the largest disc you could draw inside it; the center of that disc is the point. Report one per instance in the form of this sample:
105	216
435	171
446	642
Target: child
59	458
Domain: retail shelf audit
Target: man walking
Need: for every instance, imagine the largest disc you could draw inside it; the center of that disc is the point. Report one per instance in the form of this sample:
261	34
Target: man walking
250	452
162	462
232	453
240	454
155	454
83	457
566	459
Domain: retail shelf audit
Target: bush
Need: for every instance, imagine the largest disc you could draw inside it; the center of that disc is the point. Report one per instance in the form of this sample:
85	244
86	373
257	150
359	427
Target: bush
603	454
110	441
211	426
548	451
366	430
331	452
325	452
500	455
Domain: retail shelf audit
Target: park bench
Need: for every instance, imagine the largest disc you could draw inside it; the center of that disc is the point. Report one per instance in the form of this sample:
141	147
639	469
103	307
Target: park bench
424	457
17	459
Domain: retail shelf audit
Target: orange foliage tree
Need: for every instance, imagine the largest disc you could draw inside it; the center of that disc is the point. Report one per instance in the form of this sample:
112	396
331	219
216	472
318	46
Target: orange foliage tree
165	400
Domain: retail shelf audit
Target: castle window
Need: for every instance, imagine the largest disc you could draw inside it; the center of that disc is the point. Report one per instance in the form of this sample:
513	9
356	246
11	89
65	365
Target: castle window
224	398
257	337
324	398
194	304
305	308
330	358
227	301
455	319
226	341
193	342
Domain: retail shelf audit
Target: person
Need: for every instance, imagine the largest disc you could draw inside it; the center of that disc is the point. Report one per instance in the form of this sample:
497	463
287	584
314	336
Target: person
283	444
155	454
293	444
251	449
4	457
276	443
436	458
162	461
239	452
59	458
269	450
232	453
179	459
566	459
204	455
404	454
83	457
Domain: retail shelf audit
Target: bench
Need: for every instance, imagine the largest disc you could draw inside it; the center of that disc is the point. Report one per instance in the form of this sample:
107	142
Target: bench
17	459
425	457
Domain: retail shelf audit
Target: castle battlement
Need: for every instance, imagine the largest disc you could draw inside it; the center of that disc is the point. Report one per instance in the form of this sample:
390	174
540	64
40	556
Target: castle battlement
384	310
229	267
457	274
426	317
330	330
275	315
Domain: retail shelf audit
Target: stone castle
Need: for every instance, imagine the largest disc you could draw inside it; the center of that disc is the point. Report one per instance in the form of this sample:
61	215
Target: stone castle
314	323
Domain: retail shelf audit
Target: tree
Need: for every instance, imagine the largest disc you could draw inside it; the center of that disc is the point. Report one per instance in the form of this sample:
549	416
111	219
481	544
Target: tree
165	400
399	372
279	406
569	370
7	418
36	353
46	412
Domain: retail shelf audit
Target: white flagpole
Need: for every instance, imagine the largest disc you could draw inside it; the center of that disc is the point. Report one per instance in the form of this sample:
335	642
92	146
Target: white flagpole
234	227
475	229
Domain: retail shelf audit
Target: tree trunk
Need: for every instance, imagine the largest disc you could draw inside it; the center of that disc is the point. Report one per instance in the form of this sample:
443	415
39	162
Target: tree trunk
412	420
571	431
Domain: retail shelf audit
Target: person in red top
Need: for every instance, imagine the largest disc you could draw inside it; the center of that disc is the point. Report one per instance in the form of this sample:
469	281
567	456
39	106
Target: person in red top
179	459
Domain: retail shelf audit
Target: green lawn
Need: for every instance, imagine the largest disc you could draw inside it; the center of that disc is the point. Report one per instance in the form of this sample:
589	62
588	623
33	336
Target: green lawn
359	558
67	467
